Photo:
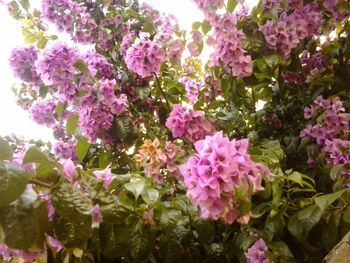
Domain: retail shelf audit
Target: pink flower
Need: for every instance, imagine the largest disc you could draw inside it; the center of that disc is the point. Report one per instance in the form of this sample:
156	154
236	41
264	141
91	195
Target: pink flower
55	244
175	50
69	170
144	58
256	253
96	216
218	168
192	88
188	124
105	176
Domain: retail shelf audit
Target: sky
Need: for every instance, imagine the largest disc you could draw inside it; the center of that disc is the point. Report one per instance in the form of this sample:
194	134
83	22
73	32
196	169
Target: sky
15	120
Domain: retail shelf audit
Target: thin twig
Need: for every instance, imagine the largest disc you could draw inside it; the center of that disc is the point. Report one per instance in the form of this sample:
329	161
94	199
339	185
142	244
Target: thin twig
37	182
161	91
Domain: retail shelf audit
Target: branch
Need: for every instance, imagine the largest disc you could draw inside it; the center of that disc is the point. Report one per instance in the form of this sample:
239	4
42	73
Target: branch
161	91
37	182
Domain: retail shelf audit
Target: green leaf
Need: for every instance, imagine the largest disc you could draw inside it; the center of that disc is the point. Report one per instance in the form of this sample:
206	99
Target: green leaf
72	124
24	222
59	108
135	186
324	201
82	148
72	234
196	25
34	155
42	42
271	60
150	195
149	27
346	215
206	27
141	245
5	150
82	67
71	203
302	222
170	216
13	182
25	4
115	240
231	5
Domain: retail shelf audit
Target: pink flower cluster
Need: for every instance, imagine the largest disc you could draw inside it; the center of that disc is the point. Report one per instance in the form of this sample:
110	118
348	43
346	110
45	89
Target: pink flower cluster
65	149
292	78
331	132
98	109
272	119
312	64
228	47
269	4
212	175
338	14
43	112
22	63
332	124
98	65
175	50
127	41
188	124
192	88
56	68
8	254
285	34
209	5
256	253
144	58
70	17
338	151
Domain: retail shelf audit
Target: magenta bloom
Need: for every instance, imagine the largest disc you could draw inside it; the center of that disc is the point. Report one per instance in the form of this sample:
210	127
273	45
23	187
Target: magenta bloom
56	67
96	216
228	47
65	150
22	63
98	65
188	124
105	176
144	58
256	253
192	88
127	41
55	244
285	34
209	5
218	168
69	170
43	112
175	51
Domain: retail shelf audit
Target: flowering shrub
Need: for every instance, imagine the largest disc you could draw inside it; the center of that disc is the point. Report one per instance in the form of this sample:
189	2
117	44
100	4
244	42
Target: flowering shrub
161	156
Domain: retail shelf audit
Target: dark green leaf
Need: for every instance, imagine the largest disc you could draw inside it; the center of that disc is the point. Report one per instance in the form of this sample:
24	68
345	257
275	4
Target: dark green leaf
231	5
5	150
71	203
206	27
82	67
324	201
24	221
34	155
13	182
136	187
72	124
82	148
